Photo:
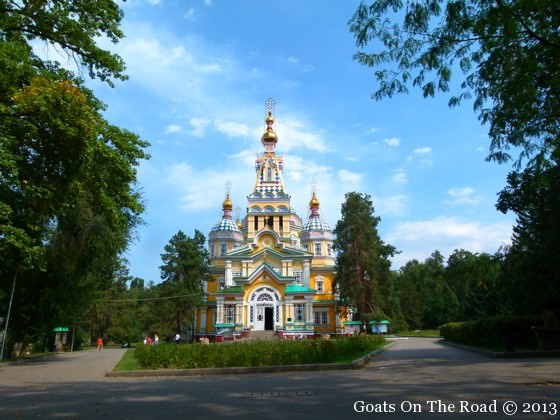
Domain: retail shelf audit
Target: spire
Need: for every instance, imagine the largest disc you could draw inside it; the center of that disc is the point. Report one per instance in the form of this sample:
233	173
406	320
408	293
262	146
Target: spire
269	138
269	165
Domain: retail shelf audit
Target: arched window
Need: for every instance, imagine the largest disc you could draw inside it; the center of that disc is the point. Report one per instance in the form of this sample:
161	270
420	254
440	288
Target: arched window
269	174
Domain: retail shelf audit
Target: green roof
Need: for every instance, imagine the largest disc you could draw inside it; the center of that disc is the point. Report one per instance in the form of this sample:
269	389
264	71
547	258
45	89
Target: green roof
385	322
373	321
232	289
61	329
353	323
297	288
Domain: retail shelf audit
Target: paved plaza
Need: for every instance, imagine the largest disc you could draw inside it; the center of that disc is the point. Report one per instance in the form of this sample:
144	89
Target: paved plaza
406	381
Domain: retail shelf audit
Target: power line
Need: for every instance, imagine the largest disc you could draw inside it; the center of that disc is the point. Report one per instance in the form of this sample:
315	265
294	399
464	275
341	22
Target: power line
146	299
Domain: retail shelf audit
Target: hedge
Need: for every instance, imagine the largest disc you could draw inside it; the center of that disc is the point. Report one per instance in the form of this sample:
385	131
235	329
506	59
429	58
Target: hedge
497	332
253	353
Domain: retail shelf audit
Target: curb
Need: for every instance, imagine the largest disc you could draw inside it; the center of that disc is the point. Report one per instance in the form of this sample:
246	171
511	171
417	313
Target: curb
503	354
355	364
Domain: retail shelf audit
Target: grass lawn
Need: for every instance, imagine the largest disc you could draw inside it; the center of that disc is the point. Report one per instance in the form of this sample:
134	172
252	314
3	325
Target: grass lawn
129	362
418	333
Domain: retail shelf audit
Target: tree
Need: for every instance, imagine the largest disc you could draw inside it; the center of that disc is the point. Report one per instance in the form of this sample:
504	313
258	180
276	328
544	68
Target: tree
531	278
68	197
69	26
507	50
362	262
474	279
184	270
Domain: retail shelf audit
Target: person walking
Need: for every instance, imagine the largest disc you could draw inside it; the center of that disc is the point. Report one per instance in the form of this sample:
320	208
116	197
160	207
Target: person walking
99	343
156	339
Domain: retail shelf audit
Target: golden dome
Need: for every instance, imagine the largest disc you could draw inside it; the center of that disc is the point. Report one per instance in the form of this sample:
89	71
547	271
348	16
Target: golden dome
238	223
227	205
269	135
314	203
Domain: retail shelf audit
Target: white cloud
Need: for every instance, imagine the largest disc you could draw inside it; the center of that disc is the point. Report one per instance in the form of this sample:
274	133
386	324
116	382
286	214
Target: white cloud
348	177
189	14
292	134
232	128
372	130
422	150
211	68
418	239
208	2
399	176
198	125
392	141
173	129
394	205
463	195
293	60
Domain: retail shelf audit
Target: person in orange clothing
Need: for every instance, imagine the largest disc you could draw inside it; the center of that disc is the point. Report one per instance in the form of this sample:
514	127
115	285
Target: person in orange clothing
99	343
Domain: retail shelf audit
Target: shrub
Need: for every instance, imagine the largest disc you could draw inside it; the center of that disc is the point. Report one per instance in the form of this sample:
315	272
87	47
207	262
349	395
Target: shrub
254	353
503	332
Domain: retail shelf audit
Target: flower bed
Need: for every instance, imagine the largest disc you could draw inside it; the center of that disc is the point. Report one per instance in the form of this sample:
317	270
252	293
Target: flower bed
256	353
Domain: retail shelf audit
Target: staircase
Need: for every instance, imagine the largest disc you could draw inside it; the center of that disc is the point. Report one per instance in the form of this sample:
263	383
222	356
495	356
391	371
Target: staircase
261	335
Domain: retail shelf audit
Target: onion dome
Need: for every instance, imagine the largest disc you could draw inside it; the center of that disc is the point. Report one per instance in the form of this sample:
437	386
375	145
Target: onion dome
315	223
314	203
227	204
269	137
226	224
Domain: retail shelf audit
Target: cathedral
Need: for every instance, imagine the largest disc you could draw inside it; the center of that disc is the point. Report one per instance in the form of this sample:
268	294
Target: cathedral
270	271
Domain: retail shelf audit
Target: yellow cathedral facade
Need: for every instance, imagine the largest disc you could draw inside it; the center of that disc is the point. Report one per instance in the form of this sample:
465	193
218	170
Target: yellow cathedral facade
270	271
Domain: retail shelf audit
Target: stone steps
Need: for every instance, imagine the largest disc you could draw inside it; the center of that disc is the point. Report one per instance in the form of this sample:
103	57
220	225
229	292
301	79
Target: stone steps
261	335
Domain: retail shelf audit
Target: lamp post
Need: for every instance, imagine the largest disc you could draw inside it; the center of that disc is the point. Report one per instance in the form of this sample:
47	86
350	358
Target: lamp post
4	335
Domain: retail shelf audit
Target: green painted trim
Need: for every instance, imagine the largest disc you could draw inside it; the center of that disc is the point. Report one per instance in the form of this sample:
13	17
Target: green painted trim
233	289
353	323
61	329
296	288
224	325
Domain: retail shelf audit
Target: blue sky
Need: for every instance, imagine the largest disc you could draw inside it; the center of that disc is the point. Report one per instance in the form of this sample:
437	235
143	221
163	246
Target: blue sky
200	72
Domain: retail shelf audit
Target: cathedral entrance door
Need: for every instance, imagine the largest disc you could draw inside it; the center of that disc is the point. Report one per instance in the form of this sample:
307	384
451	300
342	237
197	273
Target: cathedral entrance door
259	321
268	321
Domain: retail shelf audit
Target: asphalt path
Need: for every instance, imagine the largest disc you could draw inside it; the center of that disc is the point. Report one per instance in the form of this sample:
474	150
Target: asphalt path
416	378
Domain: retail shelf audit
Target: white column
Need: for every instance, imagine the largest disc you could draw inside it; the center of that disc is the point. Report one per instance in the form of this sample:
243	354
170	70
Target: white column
306	273
228	276
239	312
203	319
220	311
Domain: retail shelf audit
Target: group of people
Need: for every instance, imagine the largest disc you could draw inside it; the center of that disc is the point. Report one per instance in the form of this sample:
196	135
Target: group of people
148	340
154	341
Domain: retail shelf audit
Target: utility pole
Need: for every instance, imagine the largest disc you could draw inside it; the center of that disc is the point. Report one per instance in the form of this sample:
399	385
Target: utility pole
4	335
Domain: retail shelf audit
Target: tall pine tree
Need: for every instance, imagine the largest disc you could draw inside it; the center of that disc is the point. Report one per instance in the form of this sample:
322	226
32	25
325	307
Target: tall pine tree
362	263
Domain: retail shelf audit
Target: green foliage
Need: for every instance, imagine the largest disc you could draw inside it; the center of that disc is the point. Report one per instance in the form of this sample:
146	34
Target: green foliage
362	263
72	27
508	52
474	279
257	353
68	198
497	332
184	269
531	275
